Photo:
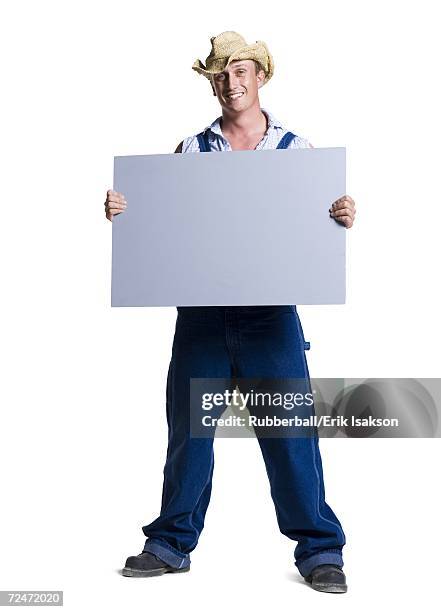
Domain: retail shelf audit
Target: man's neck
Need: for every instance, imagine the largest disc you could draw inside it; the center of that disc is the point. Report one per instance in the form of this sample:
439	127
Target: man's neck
245	123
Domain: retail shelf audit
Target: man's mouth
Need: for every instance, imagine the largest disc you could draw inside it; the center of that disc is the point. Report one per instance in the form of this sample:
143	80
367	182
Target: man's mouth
235	96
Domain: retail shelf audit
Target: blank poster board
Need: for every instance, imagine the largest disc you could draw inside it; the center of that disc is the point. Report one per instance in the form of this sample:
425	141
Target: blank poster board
231	228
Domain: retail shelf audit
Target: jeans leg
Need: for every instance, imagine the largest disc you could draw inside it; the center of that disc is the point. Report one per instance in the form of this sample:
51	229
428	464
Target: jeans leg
271	345
199	350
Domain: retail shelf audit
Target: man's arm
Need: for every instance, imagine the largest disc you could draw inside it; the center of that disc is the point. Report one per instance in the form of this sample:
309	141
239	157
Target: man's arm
179	147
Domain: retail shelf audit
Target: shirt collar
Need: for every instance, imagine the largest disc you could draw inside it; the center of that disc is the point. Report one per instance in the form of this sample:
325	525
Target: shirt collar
272	123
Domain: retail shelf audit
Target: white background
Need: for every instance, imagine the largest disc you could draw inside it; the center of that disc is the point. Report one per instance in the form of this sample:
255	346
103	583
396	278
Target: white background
83	429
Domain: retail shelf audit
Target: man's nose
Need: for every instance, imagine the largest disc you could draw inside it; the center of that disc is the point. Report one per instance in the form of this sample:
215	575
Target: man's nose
233	80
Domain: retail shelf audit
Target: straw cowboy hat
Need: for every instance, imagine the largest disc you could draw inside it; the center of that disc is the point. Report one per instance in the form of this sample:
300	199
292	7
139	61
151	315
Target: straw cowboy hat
230	46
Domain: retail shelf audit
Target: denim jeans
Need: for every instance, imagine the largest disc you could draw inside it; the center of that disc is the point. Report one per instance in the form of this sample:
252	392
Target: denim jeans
228	342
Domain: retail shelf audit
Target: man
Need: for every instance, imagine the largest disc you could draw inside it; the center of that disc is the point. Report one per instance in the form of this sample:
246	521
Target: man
226	342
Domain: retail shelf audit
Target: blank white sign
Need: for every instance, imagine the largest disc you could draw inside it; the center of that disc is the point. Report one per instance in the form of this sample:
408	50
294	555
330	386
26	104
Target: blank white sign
231	228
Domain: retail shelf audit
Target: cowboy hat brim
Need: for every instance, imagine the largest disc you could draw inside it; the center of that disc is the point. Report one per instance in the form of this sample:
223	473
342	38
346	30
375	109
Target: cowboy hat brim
257	51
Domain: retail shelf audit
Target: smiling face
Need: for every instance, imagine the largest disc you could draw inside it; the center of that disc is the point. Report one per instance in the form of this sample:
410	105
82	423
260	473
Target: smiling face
237	86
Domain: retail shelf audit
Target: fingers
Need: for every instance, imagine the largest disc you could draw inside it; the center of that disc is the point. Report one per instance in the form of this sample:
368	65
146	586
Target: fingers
115	204
343	210
345	216
346	220
116	198
344	202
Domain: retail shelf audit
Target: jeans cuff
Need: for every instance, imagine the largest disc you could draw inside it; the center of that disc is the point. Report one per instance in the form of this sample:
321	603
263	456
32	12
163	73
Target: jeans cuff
167	553
332	557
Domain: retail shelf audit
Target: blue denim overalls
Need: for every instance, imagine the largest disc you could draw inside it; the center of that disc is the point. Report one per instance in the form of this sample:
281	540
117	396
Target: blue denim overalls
246	342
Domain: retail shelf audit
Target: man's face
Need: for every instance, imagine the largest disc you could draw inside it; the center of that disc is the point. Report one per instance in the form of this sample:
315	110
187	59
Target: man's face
237	86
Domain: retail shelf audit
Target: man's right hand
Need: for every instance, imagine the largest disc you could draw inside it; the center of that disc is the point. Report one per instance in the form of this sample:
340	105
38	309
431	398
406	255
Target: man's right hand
115	204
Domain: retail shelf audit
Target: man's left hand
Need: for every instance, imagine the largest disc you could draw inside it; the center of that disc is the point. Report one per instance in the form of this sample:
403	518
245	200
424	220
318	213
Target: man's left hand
343	211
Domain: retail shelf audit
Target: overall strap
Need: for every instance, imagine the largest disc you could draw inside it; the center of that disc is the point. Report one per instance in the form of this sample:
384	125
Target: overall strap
286	140
204	145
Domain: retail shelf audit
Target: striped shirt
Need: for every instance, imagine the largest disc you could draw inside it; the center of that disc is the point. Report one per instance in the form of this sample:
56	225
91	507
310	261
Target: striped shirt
270	140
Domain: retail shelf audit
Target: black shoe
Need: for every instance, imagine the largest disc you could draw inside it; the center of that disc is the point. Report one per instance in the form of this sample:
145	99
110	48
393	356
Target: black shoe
328	578
146	564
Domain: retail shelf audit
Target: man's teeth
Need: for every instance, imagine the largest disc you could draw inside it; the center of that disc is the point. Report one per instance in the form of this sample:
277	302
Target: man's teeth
234	96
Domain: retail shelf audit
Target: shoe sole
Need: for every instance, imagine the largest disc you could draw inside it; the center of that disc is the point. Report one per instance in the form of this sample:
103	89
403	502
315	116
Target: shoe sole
137	573
329	587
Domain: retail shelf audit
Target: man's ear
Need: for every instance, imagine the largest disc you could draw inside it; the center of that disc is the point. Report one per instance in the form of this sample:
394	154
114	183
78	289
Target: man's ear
261	78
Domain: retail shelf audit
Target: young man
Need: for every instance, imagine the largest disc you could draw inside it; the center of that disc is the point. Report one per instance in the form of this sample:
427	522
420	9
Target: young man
226	342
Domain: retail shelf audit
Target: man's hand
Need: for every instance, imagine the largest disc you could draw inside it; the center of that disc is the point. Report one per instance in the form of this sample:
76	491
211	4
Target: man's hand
115	204
343	211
